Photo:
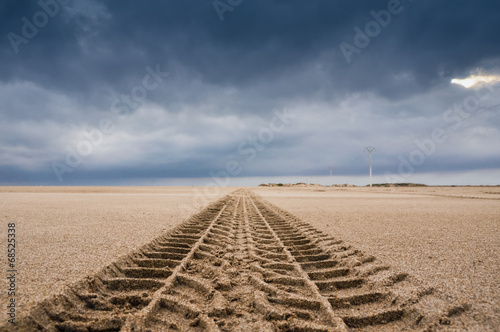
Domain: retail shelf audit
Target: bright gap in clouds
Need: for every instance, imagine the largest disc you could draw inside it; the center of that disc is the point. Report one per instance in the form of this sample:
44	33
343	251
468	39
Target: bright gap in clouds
472	80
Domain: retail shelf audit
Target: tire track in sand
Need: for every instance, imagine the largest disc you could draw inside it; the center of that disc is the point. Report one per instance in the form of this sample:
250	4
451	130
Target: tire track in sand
242	264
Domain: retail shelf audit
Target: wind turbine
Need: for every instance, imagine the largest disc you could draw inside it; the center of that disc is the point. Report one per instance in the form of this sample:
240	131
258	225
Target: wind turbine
331	170
370	149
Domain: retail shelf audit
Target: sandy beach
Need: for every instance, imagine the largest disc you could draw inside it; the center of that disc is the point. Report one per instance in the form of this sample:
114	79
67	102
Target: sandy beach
66	233
447	237
444	237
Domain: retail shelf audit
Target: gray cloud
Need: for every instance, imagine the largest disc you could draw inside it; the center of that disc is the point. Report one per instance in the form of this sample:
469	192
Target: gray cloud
227	79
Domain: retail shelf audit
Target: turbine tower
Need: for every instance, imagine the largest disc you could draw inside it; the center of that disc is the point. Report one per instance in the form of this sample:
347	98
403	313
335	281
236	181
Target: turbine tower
331	170
370	149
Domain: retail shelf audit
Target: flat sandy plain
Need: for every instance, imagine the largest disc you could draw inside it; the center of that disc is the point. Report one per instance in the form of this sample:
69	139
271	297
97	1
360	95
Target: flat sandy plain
445	237
65	233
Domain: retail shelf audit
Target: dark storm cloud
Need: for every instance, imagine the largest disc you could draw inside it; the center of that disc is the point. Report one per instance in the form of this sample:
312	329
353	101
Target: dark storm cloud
264	56
95	45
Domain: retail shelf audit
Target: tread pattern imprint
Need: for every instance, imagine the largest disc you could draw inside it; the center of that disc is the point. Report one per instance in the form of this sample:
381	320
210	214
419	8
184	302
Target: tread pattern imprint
243	264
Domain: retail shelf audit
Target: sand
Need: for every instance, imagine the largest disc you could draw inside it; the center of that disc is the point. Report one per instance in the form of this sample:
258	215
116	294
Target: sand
65	233
447	237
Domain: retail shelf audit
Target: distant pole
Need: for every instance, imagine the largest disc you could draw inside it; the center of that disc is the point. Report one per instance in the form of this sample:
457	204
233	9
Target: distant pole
370	149
331	171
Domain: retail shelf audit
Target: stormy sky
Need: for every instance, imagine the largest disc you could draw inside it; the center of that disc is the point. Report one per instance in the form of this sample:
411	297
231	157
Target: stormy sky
128	92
